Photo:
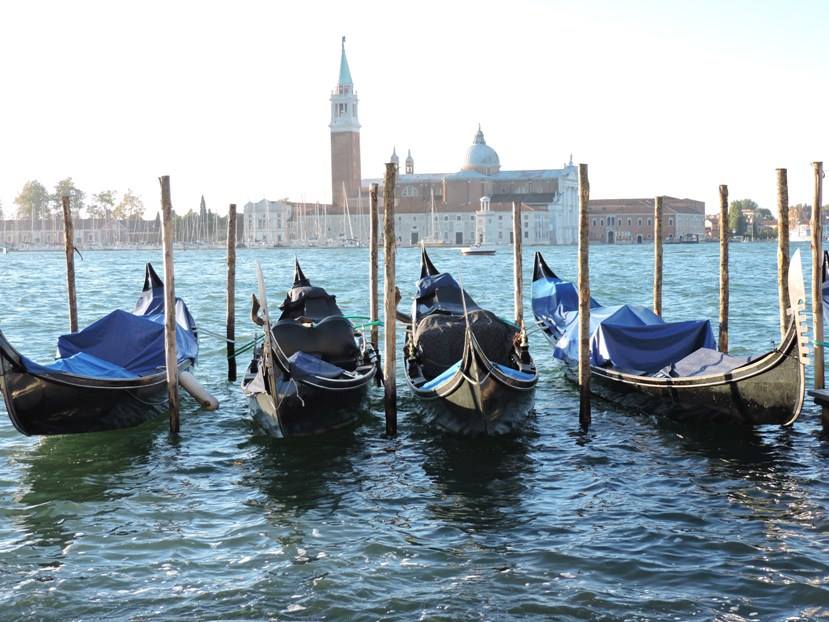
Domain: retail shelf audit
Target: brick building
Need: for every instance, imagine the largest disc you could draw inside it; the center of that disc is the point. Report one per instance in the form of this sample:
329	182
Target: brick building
630	221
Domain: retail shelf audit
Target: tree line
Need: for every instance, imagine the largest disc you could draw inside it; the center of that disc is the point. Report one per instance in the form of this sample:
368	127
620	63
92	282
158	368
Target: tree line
36	203
739	224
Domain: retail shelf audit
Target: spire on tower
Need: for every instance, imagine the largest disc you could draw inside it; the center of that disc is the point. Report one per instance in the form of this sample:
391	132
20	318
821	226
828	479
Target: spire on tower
345	73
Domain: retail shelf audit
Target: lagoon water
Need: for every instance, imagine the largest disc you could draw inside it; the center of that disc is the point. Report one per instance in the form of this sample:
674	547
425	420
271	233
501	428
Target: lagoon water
638	520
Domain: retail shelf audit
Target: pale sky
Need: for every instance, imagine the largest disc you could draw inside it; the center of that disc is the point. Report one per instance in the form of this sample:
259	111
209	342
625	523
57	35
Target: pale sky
231	99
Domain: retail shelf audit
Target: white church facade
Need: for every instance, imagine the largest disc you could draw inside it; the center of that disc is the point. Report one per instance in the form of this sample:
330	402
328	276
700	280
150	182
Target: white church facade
471	205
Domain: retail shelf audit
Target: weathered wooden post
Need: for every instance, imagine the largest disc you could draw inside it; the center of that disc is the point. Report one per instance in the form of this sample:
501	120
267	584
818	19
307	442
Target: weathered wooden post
389	301
69	244
171	359
657	256
817	274
517	268
584	302
372	263
723	340
231	292
783	248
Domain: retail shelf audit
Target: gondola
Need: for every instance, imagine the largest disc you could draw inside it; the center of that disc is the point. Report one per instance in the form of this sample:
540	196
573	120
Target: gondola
108	376
312	372
472	370
671	368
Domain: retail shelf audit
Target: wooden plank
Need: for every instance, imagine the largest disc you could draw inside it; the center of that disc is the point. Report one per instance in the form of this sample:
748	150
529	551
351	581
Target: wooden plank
723	340
372	264
783	248
231	292
69	246
817	275
389	301
584	301
170	356
657	256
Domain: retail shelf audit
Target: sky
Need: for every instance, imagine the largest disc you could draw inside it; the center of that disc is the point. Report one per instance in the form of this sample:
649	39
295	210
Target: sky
232	99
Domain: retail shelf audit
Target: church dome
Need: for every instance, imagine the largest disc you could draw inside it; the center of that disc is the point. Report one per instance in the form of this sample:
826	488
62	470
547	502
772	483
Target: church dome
481	157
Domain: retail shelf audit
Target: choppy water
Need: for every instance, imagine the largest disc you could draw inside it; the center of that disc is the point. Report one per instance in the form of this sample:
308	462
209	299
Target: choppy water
637	520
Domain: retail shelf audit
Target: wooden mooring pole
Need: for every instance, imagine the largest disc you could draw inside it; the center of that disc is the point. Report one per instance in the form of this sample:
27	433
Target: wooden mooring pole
389	301
723	340
69	244
372	263
783	248
231	292
518	275
171	359
657	256
817	276
584	302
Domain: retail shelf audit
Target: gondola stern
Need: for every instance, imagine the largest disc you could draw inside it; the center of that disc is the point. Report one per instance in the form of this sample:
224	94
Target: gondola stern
427	268
540	268
151	279
300	280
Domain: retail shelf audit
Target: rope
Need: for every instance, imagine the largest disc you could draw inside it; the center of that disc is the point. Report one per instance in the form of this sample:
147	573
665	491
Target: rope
215	334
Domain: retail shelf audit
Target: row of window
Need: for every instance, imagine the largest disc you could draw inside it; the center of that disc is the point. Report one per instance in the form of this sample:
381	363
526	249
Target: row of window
611	221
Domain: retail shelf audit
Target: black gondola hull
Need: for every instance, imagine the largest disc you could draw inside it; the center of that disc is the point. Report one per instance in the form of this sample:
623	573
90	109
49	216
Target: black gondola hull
300	409
768	390
466	408
772	394
479	398
61	404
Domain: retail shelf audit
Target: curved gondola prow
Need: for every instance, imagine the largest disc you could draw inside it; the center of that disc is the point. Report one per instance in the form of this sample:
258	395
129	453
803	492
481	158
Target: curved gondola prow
300	280
151	279
427	268
540	268
9	359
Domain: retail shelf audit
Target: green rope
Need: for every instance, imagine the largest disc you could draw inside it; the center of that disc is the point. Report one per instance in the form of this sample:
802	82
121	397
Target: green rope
823	344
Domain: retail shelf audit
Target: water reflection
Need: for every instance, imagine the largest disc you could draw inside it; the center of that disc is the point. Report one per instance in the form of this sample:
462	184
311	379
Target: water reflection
61	474
298	475
483	481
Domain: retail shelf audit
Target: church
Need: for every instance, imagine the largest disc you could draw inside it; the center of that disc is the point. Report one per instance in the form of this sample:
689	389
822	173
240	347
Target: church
471	205
468	206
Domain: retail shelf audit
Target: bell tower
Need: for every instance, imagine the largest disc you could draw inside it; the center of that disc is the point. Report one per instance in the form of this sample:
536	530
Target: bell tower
345	137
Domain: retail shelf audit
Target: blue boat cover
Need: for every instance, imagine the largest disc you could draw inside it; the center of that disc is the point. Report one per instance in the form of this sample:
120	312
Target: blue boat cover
627	337
446	375
303	365
124	345
443	294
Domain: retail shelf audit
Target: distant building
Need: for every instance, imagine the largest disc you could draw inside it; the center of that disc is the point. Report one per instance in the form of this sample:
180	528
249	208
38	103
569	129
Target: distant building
630	221
471	205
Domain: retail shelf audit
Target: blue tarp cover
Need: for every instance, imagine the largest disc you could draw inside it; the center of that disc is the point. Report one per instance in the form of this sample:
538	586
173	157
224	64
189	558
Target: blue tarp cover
626	337
446	375
303	365
120	345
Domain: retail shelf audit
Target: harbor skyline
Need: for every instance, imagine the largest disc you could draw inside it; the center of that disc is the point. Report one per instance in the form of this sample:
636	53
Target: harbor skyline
235	106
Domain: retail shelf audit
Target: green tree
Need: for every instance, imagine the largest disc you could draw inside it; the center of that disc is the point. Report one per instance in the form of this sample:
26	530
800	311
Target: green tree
763	213
33	200
66	187
130	206
102	204
736	220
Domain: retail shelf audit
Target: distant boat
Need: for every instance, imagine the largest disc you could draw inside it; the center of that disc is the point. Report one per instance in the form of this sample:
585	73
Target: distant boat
478	249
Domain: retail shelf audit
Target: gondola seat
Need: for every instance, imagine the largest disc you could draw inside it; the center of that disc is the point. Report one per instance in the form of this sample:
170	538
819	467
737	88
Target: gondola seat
331	340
